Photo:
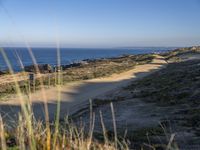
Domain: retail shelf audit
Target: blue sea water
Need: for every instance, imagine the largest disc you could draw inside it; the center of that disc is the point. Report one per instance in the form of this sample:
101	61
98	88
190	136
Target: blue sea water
67	55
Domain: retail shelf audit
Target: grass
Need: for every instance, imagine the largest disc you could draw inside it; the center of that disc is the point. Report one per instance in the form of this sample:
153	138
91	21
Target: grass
176	84
69	136
175	55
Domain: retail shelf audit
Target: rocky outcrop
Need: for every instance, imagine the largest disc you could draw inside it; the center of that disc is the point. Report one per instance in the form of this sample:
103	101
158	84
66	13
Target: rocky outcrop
76	64
42	68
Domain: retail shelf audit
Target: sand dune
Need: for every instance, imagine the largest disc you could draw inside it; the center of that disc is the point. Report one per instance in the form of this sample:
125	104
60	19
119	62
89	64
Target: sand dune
74	96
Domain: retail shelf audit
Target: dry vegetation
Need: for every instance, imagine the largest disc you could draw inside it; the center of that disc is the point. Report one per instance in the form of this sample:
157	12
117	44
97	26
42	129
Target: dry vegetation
178	84
34	134
93	69
177	55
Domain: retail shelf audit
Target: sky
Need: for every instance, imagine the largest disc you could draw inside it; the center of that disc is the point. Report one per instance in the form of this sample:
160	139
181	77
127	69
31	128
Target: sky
99	23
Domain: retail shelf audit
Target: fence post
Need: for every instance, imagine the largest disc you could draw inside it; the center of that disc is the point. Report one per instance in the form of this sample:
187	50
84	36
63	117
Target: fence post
49	81
32	80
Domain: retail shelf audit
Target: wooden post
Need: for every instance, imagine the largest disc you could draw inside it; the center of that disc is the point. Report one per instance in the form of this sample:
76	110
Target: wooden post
29	88
49	83
32	80
55	75
61	77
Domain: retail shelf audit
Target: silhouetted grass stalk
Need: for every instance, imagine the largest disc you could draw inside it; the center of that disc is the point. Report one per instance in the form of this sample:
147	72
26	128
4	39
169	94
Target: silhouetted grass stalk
103	128
114	124
22	101
43	96
2	135
58	97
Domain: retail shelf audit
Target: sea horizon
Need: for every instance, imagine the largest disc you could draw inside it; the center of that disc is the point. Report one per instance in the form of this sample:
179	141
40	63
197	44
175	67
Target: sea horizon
68	55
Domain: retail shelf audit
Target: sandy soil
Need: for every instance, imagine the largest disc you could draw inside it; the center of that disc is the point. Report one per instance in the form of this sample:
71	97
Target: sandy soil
74	96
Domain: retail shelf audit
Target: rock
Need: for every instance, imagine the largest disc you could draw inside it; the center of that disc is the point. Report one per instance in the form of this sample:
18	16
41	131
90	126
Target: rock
1	73
43	68
77	64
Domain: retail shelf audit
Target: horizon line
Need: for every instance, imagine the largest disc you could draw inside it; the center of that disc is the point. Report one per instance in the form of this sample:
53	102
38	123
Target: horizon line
122	47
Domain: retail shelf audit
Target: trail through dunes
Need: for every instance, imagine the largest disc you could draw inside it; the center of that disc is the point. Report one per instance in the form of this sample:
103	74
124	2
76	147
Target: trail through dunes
74	96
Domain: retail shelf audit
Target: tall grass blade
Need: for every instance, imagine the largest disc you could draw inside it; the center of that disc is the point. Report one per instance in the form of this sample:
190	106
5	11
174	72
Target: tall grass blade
2	135
22	101
114	124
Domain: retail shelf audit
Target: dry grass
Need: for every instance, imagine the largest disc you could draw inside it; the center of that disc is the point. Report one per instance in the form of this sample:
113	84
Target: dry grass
29	133
68	136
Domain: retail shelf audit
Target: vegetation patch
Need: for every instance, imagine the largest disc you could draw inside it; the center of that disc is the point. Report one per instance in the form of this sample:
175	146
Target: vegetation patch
176	84
92	69
176	55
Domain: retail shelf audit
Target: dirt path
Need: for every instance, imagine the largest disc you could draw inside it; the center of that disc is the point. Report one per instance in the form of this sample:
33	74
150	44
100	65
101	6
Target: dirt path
74	96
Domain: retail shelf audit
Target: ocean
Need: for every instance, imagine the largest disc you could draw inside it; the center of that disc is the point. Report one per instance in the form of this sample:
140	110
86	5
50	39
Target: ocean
17	56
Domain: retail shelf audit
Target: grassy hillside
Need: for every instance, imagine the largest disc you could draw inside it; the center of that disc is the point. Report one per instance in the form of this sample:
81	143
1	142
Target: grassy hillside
175	88
178	54
176	84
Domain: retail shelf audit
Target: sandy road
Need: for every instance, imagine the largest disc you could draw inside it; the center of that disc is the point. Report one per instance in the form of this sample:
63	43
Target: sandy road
74	96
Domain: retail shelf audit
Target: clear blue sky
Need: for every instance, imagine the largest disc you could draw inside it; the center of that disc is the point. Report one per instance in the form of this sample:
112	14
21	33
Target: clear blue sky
100	23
